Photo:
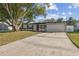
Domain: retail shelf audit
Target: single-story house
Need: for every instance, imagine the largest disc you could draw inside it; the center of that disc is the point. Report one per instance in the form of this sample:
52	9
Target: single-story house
41	27
49	27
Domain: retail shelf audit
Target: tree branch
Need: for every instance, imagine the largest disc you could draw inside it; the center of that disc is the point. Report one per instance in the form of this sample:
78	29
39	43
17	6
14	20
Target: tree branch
7	8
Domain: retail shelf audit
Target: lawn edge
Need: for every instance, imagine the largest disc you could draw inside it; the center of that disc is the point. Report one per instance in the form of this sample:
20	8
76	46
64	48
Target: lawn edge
72	41
22	38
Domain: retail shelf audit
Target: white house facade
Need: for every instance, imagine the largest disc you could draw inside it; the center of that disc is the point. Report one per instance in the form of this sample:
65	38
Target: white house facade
49	27
77	26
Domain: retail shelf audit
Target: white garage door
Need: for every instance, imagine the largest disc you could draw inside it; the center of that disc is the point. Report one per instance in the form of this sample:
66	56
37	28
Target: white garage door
58	27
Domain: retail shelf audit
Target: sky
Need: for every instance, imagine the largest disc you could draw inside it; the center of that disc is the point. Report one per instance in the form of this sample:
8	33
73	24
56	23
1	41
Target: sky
61	10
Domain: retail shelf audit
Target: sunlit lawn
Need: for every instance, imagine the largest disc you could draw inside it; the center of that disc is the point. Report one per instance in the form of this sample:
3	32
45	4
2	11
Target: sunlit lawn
74	36
8	37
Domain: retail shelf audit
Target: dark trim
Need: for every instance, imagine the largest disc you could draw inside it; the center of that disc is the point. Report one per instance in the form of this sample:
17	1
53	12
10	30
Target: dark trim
72	41
47	23
39	23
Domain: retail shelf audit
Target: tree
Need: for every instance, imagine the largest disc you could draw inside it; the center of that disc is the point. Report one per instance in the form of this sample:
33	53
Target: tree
59	20
71	21
13	13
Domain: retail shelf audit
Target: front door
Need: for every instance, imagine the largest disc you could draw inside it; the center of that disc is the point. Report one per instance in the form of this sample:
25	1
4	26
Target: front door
37	27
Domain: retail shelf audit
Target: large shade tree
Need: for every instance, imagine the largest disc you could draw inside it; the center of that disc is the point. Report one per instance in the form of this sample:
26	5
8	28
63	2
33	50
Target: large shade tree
14	13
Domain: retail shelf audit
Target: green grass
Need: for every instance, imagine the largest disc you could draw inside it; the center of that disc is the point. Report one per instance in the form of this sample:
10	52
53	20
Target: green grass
7	37
74	36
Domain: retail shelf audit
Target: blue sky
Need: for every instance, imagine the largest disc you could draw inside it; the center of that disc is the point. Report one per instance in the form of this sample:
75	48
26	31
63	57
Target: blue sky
64	10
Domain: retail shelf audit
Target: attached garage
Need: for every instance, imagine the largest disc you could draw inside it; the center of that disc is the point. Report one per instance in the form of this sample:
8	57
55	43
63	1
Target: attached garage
55	27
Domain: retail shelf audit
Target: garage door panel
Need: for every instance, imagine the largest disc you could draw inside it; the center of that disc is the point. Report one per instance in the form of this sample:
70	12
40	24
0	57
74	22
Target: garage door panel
55	27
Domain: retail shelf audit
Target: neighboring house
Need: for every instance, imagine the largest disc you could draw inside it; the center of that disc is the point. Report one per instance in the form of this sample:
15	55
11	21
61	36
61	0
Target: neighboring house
77	26
4	27
70	28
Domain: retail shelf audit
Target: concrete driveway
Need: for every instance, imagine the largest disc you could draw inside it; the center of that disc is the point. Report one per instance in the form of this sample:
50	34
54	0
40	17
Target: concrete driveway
44	44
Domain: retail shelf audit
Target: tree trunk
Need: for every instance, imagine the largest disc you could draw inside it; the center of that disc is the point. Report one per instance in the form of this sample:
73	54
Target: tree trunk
16	28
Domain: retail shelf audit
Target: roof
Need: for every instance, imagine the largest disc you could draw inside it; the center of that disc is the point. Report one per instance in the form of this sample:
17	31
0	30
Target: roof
45	23
55	23
39	23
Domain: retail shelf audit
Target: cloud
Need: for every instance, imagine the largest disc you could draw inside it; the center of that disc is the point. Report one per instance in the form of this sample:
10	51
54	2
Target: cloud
52	6
55	16
64	17
49	16
69	13
70	7
63	13
75	7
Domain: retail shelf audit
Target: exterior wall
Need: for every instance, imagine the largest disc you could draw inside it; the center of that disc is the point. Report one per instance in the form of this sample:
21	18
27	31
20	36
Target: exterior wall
39	27
34	28
24	26
55	27
27	26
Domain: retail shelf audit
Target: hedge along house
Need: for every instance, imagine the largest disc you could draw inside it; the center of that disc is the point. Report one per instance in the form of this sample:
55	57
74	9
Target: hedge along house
49	27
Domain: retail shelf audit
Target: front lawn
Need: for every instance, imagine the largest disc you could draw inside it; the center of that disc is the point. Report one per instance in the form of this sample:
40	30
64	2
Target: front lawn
74	36
8	37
